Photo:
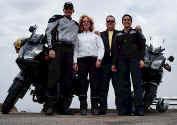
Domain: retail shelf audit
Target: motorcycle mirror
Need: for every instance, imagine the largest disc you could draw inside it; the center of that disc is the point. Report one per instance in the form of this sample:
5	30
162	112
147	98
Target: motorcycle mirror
32	28
171	58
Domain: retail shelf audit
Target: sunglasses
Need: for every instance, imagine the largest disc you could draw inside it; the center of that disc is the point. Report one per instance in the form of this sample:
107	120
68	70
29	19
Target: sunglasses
110	21
85	21
68	8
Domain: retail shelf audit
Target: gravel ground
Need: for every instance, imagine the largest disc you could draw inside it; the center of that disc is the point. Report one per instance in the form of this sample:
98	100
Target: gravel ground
153	118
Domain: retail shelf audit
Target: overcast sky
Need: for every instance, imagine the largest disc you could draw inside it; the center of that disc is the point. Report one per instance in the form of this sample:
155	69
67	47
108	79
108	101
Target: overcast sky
158	18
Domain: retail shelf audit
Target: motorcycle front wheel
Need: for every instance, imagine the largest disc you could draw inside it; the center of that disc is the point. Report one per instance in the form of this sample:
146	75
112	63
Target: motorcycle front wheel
12	97
150	94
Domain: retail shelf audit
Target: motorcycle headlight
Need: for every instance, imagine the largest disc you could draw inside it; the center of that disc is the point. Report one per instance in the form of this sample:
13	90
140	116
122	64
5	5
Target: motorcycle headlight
156	64
32	54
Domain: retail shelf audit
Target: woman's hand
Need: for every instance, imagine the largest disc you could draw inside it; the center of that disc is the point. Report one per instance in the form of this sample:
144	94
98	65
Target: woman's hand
141	63
75	67
98	63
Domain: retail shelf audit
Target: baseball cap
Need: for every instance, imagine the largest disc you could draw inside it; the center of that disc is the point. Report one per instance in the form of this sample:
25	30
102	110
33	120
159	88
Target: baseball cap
68	5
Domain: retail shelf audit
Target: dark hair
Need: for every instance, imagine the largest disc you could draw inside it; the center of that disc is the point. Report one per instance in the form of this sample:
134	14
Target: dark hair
125	16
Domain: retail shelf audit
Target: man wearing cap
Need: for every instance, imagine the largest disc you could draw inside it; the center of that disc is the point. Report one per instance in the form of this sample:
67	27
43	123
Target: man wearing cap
61	35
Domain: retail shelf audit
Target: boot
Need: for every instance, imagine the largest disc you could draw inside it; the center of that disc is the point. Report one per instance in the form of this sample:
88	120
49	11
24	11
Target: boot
51	100
94	106
83	108
44	109
83	105
102	107
65	106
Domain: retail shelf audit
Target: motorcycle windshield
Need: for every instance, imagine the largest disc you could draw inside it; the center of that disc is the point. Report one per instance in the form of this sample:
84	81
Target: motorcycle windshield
154	57
35	38
29	51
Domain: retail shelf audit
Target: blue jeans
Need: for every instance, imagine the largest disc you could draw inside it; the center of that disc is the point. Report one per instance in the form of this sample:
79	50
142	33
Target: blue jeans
127	67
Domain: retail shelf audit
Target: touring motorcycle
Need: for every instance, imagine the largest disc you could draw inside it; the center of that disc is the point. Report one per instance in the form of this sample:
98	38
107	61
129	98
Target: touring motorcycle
152	74
33	62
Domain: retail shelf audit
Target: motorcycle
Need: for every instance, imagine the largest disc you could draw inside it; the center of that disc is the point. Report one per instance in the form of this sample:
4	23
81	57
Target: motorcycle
152	74
33	62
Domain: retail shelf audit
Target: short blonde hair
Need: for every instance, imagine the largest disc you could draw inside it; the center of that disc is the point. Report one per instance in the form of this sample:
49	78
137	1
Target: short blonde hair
81	28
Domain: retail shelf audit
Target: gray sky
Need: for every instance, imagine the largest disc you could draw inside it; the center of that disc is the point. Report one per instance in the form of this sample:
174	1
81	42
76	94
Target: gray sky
157	18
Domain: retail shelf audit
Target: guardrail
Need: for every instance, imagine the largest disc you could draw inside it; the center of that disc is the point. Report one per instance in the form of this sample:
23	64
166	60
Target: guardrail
169	100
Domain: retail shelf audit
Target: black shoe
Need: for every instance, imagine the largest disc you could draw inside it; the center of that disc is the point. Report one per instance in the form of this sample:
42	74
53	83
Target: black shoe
83	112
138	113
102	112
95	111
124	113
67	112
49	105
49	111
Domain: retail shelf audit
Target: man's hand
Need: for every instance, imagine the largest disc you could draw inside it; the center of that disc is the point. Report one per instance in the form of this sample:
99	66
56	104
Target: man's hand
75	67
113	68
98	63
52	54
97	33
141	63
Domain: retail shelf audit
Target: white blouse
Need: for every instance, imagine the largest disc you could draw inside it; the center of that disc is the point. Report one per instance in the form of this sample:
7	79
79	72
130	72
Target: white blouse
88	44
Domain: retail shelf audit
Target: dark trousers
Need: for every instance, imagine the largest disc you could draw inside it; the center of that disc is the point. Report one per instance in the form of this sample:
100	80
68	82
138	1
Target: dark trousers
127	66
87	66
60	71
106	75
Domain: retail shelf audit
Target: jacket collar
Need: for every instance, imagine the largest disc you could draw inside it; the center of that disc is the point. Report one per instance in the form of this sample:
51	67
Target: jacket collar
128	30
70	18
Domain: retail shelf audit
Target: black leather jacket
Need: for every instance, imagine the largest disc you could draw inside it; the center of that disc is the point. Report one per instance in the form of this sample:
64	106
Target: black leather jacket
129	45
107	59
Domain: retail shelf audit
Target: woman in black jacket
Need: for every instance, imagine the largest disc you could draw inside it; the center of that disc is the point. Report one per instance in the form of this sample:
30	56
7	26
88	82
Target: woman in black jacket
129	53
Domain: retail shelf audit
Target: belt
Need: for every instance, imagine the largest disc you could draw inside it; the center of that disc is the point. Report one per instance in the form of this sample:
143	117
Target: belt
64	43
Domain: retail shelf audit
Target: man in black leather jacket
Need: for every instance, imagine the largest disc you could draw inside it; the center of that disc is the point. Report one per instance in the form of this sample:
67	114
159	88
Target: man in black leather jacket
108	37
